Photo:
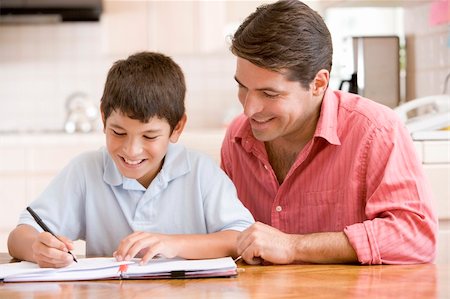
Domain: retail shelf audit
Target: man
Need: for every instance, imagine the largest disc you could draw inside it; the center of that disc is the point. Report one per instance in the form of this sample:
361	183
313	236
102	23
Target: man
331	177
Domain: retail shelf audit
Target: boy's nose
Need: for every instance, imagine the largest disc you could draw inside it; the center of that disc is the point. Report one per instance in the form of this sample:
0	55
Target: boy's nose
133	147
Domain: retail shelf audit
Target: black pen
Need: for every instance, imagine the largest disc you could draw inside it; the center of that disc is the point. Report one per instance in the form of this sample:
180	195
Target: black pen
46	228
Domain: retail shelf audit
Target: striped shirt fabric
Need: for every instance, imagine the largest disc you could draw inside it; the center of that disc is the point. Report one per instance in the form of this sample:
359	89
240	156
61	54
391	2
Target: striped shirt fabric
359	174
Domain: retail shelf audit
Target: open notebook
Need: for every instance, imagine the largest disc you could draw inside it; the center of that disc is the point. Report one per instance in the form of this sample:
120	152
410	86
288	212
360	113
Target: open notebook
109	268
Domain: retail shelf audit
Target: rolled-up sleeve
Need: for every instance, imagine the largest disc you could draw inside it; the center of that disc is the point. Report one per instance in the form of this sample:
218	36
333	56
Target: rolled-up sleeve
401	226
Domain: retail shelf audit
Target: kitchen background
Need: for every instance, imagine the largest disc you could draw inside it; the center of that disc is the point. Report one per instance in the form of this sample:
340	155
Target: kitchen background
48	67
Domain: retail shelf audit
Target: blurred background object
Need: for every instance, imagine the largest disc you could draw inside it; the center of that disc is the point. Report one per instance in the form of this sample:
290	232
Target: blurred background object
376	69
82	114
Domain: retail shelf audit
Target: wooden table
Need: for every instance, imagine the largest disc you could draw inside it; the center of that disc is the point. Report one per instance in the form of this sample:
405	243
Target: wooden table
289	281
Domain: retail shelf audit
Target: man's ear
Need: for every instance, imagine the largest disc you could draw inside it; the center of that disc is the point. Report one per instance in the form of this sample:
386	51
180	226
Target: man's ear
320	82
178	129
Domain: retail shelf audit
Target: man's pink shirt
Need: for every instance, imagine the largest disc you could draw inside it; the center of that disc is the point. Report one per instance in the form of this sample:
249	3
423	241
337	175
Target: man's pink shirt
359	174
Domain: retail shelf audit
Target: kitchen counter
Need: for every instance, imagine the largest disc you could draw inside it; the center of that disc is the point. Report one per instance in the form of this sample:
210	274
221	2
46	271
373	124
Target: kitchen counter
54	137
270	281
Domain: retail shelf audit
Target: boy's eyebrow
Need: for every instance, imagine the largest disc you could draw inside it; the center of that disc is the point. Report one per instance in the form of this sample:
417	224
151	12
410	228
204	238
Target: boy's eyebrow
115	126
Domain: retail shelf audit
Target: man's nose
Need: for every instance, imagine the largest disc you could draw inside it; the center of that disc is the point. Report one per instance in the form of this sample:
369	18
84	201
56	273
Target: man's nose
251	104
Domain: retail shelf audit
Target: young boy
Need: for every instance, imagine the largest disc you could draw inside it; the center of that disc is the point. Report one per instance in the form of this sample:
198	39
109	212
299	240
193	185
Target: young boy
143	195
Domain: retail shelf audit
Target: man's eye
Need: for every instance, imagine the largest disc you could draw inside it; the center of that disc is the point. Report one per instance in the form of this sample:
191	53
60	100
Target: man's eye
270	95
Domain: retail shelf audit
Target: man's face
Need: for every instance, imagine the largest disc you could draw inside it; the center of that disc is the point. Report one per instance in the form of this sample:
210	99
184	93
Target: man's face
137	148
276	107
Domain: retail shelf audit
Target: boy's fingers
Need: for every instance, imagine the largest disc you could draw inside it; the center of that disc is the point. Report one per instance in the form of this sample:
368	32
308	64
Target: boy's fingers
151	253
51	241
127	247
53	258
68	242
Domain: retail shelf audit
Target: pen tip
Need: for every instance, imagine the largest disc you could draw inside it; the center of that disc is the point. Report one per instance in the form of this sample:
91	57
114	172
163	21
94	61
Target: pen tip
73	257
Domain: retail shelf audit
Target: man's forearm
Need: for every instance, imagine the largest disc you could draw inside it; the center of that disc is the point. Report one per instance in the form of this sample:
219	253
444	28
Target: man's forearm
324	248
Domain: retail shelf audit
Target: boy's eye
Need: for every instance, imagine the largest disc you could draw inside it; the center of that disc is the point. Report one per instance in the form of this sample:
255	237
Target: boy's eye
150	137
117	133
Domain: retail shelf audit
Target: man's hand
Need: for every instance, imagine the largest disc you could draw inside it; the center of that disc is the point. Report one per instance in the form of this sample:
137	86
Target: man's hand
263	242
52	252
146	245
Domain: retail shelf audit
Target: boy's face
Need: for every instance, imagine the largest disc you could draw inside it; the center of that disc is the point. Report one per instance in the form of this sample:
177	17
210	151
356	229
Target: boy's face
137	148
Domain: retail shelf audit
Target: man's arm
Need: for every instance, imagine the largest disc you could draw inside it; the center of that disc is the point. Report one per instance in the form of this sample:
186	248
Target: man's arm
261	241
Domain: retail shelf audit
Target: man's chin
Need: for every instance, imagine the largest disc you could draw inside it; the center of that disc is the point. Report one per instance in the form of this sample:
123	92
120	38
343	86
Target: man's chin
262	136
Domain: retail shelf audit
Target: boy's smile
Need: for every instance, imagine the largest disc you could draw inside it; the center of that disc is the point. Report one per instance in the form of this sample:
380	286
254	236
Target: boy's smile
131	163
138	149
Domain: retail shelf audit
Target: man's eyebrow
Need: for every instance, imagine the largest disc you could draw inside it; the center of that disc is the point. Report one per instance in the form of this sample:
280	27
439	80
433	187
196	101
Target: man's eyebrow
259	89
239	82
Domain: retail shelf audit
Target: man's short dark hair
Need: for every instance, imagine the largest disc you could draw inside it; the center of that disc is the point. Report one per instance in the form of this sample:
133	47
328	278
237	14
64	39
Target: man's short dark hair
285	35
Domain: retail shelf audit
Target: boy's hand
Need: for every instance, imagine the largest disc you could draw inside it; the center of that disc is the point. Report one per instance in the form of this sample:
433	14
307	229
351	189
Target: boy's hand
147	245
51	252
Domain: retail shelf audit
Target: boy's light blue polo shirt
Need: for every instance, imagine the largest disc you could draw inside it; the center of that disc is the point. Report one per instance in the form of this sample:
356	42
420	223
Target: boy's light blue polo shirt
90	200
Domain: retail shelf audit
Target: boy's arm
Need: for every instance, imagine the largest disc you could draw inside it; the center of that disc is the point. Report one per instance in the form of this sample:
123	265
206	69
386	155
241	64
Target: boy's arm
26	243
20	242
198	246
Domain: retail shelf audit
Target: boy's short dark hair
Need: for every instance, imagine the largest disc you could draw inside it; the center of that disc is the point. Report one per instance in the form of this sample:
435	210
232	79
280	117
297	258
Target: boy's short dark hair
285	35
143	86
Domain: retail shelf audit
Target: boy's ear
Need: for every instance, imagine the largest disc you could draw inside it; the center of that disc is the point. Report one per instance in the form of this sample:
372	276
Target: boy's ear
178	129
103	121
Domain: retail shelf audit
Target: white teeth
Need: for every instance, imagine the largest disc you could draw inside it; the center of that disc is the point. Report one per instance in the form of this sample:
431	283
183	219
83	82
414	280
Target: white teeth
132	162
261	121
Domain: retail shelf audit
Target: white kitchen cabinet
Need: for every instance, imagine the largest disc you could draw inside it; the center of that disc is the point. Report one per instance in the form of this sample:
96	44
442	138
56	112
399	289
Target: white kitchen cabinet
435	157
124	26
172	27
